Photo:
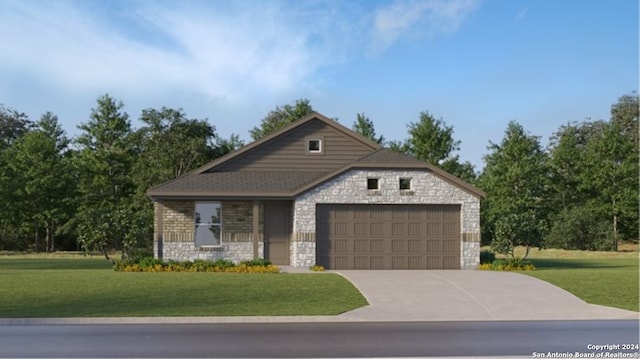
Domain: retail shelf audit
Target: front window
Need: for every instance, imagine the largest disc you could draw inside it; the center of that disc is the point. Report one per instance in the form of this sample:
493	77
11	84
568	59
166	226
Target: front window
372	184
405	183
208	224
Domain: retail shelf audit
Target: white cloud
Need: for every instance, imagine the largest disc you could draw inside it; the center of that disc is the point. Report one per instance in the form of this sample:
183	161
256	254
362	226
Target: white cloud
201	48
433	16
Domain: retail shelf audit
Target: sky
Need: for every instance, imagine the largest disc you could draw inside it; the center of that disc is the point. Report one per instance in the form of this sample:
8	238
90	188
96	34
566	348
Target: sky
475	64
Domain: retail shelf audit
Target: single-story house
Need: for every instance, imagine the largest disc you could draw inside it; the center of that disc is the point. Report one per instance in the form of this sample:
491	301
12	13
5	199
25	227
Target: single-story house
317	193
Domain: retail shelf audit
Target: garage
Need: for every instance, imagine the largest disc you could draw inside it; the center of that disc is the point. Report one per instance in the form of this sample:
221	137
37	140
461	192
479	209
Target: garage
388	236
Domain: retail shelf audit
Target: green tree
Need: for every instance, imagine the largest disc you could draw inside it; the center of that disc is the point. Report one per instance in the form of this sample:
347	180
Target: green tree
611	176
281	117
364	126
13	124
515	180
431	140
104	160
43	183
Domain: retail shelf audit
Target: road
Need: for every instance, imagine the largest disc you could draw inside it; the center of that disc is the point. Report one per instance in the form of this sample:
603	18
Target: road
306	340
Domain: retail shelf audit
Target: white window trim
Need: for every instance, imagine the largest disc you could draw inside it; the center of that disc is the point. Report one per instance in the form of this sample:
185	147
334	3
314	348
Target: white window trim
308	140
219	225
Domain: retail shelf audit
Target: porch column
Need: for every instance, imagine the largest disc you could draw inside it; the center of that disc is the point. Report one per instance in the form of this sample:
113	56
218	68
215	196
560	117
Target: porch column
159	230
256	230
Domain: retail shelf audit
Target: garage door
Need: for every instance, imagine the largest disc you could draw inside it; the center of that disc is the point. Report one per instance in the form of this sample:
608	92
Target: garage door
364	236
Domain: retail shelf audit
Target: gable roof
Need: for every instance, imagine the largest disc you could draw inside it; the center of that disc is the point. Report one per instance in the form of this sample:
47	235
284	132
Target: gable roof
258	144
212	180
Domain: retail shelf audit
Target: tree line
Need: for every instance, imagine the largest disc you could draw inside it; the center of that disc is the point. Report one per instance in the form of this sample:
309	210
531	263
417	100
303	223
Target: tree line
580	192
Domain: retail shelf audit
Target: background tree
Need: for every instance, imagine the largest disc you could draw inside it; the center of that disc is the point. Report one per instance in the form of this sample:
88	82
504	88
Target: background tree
515	180
431	139
364	126
169	146
104	161
40	165
13	124
281	117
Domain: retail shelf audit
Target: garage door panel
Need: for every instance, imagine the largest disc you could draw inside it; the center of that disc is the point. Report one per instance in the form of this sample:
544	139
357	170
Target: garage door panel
362	236
398	246
339	246
398	229
415	246
377	245
376	229
434	246
434	229
361	246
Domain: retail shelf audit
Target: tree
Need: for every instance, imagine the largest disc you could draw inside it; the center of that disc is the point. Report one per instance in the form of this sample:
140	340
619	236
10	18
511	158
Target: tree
281	117
611	175
515	180
13	124
104	161
40	163
364	126
431	140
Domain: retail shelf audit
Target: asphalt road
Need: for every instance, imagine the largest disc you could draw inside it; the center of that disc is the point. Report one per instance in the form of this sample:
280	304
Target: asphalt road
300	340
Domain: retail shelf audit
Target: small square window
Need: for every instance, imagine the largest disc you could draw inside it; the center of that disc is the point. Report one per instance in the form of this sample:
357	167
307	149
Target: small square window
405	183
372	183
314	145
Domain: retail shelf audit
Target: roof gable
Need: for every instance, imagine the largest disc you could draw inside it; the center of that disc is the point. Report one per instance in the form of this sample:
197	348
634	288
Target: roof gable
286	149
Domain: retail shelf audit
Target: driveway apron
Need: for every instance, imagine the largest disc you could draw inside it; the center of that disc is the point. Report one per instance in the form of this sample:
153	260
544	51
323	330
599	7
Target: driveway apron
467	295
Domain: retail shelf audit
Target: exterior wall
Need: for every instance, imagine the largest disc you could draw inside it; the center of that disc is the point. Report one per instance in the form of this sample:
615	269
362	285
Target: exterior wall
351	187
175	241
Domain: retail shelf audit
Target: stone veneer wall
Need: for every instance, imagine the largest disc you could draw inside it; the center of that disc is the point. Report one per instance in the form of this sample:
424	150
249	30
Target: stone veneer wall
351	187
178	230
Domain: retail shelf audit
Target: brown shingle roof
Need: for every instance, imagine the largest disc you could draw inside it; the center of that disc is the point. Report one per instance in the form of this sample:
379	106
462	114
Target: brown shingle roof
236	183
387	156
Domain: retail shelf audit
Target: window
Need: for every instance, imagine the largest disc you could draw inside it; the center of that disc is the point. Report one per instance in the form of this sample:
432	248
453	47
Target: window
405	183
372	183
208	224
314	145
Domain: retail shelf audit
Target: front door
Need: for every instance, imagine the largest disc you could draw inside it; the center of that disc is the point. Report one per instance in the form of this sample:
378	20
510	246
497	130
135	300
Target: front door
277	232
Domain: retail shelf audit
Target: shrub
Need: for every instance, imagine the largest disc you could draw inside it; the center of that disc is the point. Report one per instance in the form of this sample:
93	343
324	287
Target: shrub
257	262
511	264
149	264
316	268
487	257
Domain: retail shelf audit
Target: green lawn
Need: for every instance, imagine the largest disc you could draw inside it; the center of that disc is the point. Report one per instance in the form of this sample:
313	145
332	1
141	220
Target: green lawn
611	282
88	287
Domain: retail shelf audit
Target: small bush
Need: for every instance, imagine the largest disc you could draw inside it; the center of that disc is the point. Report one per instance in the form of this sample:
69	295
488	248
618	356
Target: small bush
257	262
316	268
511	264
150	264
487	257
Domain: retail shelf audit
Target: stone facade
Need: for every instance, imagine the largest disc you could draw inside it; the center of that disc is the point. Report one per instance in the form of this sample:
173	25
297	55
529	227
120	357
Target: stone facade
175	240
351	187
174	225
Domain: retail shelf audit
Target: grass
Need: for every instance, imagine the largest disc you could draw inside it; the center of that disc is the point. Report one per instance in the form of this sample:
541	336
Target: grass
604	278
88	287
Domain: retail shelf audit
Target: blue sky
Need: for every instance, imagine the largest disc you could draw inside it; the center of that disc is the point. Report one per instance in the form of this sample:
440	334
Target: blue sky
477	64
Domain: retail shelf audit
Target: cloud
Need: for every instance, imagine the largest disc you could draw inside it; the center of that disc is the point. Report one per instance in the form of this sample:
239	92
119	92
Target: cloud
433	16
209	49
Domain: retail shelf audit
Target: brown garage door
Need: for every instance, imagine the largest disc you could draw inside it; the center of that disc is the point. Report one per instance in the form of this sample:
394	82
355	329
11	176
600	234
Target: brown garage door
365	236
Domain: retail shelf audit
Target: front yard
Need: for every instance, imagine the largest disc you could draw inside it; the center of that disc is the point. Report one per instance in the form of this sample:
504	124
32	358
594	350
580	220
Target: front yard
88	287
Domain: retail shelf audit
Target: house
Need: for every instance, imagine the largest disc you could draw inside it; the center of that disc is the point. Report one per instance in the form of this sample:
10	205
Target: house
316	192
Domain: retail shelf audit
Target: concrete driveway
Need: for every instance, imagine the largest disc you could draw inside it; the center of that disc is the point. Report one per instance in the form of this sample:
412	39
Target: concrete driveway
467	295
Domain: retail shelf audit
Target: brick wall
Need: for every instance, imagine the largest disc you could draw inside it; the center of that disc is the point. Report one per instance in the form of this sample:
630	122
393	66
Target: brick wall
178	223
